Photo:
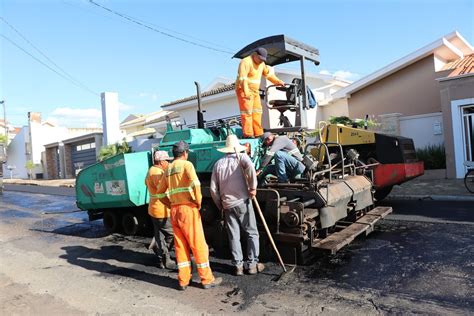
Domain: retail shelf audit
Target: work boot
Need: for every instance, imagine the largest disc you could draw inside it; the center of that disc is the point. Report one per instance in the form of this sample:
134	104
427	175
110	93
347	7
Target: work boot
160	264
239	270
182	287
214	283
168	263
259	267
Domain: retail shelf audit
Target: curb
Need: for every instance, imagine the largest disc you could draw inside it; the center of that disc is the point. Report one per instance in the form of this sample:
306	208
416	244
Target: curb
433	197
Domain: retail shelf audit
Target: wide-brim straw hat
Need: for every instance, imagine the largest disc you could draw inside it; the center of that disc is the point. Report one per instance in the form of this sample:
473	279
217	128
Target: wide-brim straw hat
231	144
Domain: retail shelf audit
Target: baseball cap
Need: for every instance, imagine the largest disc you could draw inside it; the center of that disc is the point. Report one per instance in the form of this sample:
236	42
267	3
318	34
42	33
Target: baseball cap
180	147
266	135
262	53
161	155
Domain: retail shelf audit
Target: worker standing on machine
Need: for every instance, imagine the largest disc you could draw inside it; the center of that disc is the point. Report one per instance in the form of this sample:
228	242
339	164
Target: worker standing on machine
288	159
160	213
230	193
247	85
181	190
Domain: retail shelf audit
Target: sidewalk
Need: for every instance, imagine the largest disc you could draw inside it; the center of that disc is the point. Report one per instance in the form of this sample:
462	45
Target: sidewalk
419	188
69	183
437	189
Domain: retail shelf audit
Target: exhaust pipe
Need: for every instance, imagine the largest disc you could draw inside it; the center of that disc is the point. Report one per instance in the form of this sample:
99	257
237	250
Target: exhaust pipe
200	116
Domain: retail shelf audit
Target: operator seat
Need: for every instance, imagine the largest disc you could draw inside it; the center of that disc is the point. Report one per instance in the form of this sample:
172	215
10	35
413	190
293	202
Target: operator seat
292	92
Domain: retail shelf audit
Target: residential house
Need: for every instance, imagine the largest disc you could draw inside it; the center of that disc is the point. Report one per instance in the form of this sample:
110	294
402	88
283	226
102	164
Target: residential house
28	145
457	105
65	158
144	131
8	129
404	97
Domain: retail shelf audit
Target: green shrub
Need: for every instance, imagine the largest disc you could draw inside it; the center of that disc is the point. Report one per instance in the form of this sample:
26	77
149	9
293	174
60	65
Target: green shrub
114	149
344	120
434	156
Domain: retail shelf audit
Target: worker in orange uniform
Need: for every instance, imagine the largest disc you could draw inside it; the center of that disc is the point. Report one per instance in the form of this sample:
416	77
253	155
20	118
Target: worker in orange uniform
251	69
160	213
181	190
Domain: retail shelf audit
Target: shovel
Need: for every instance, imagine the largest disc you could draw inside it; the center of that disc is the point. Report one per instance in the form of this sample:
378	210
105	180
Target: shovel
259	211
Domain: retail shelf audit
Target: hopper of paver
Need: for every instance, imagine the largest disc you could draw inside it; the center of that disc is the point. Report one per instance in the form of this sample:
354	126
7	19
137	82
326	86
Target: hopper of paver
115	190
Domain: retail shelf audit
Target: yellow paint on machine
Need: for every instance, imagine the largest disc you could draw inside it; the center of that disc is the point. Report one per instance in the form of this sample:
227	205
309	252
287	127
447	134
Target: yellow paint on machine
344	135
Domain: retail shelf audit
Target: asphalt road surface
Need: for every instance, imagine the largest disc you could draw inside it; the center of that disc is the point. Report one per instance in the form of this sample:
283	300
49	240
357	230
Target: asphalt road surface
418	260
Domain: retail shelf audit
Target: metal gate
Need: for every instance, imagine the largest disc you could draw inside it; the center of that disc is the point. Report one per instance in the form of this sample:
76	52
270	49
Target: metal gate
82	155
468	131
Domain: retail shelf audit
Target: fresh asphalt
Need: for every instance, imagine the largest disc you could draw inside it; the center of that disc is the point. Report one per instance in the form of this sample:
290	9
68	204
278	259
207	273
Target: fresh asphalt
420	256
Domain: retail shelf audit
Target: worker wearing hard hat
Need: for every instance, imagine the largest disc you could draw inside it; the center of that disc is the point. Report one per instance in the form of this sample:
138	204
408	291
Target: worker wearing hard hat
251	69
181	190
232	194
160	213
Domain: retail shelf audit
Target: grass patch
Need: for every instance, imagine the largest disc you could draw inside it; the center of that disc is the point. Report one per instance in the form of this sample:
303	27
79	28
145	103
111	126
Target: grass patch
434	156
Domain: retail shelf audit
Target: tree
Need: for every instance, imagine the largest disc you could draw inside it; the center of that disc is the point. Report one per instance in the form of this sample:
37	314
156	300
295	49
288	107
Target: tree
30	165
3	139
114	149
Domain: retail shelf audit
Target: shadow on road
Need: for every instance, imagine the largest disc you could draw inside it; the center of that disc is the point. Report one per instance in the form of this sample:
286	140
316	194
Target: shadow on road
62	227
80	255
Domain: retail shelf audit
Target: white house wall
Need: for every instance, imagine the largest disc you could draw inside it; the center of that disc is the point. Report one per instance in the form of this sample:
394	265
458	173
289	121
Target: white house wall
16	155
34	138
425	130
214	110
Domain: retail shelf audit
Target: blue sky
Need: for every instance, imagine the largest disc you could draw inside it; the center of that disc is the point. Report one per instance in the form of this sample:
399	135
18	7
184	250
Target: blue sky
107	53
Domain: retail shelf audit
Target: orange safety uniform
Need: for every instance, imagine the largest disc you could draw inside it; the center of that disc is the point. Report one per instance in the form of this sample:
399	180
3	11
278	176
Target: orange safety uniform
156	208
181	190
247	89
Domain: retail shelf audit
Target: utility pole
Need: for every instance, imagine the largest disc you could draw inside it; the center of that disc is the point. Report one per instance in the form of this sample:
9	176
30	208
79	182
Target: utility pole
5	121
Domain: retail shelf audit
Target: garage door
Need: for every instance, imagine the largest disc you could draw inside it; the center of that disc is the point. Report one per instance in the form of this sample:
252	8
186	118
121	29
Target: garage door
82	155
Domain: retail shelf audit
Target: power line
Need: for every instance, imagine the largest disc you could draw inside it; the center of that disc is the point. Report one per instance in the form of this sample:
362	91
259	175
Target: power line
77	82
183	34
47	66
136	21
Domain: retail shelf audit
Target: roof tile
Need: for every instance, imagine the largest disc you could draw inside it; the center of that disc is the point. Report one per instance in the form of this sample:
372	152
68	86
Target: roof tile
461	66
224	88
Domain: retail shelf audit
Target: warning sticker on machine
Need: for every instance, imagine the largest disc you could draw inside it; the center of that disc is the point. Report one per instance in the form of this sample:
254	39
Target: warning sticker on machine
115	187
98	187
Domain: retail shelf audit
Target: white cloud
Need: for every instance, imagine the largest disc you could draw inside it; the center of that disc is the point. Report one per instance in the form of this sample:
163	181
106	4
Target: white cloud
342	74
345	74
76	117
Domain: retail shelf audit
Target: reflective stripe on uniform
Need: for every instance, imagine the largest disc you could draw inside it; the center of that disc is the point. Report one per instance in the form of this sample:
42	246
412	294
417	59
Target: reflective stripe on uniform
270	153
246	112
253	81
257	111
157	196
242	78
202	265
189	189
184	264
180	190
